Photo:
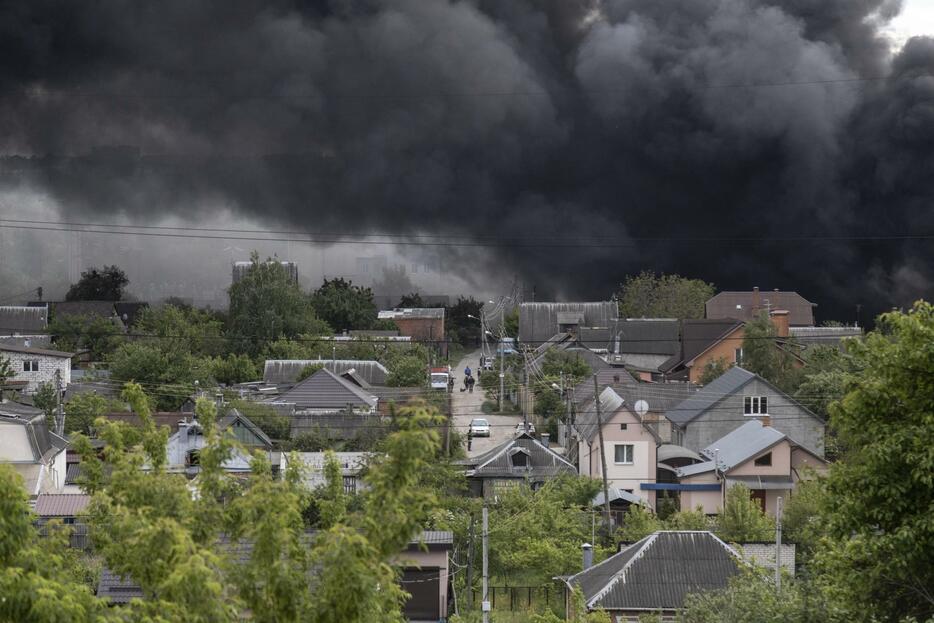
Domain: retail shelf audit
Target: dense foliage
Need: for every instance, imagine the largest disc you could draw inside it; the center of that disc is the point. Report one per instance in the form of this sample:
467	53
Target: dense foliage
99	284
648	295
344	306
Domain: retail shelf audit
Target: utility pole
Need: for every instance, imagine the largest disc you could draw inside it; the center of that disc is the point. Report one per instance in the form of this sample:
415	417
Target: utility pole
502	374
525	398
470	566
778	545
606	488
60	419
485	601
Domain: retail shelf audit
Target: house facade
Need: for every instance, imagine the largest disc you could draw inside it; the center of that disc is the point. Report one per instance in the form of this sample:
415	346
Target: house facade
422	324
31	449
35	366
522	459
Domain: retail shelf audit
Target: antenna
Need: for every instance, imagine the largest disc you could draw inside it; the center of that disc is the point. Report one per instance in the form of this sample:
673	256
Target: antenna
641	407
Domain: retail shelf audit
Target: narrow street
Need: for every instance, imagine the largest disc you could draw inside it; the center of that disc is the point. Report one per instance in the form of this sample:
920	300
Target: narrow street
467	405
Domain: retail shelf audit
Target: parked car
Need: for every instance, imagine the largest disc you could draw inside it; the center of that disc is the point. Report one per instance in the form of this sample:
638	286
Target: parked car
520	428
479	427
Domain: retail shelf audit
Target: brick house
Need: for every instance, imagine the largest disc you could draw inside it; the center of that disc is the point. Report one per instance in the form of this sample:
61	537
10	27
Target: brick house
422	324
34	366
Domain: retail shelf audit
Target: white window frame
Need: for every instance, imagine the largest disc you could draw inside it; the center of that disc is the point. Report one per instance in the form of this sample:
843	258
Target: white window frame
755	406
632	454
738	355
30	365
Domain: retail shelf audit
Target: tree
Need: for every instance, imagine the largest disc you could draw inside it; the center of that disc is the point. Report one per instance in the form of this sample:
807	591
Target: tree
273	423
713	369
763	356
183	329
168	376
233	369
100	336
46	398
308	370
460	321
877	561
751	597
638	522
742	519
801	519
106	284
411	300
83	409
408	372
511	324
343	305
648	295
6	372
266	305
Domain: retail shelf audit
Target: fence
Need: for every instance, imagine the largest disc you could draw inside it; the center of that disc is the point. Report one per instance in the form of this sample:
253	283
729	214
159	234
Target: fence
525	598
77	534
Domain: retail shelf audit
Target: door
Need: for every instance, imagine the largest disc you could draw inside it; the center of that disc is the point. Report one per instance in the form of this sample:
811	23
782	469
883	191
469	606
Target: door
759	496
424	586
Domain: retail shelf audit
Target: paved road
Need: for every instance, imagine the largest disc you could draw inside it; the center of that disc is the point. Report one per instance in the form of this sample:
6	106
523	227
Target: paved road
466	406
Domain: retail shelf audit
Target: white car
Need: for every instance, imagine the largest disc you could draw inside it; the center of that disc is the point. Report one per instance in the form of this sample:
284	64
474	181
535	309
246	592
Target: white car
479	427
520	428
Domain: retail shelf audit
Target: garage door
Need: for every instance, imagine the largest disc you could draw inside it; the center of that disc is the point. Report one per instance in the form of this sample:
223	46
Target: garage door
424	586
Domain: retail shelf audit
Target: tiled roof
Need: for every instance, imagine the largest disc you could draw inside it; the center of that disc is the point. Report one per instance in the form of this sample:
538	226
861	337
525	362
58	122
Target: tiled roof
724	305
287	370
325	390
61	504
658	572
729	382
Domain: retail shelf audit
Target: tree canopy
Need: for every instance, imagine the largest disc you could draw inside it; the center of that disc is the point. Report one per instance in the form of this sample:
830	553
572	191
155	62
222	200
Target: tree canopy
99	284
774	361
648	295
344	306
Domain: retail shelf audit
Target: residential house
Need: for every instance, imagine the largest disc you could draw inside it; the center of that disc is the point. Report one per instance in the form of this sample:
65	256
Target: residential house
66	508
422	324
747	305
630	446
703	342
286	371
24	325
424	565
312	463
326	392
540	322
522	459
764	459
655	574
34	366
644	344
184	447
35	452
85	309
734	399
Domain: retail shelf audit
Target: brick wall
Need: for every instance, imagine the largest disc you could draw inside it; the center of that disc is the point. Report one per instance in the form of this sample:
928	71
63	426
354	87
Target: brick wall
45	374
763	554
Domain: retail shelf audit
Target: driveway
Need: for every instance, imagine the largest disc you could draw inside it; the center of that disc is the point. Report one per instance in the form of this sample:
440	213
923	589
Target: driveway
467	405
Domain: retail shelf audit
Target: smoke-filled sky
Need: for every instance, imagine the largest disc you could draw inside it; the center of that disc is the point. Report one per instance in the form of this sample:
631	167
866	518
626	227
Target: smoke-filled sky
778	143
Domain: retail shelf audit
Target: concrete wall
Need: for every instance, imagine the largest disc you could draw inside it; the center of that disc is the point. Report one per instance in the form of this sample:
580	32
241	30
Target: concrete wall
763	554
725	349
710	501
781	463
14	445
47	367
727	415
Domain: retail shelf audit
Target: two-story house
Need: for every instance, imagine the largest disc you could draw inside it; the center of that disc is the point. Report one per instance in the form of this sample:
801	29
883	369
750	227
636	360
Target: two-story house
34	366
735	398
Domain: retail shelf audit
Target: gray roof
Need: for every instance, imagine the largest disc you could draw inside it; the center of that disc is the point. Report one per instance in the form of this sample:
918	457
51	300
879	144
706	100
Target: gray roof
39	352
658	572
44	443
724	305
103	309
233	416
617	494
608	376
543	461
830	336
743	443
23	320
412	312
729	382
656	336
697	336
539	321
611	400
278	371
326	390
660	396
669	451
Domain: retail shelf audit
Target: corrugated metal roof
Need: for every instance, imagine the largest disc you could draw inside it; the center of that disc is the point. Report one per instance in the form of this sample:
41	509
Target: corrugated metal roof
23	320
538	322
617	494
650	337
724	305
659	571
542	461
277	371
325	390
729	382
41	352
61	504
696	468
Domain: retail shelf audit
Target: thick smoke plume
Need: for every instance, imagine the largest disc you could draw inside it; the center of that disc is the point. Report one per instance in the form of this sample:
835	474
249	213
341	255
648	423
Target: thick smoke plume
747	142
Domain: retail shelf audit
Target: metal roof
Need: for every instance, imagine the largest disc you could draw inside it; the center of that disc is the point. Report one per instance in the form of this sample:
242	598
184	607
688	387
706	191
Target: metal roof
657	336
538	322
743	443
542	461
287	370
780	483
743	305
659	571
326	390
61	504
617	494
39	352
729	382
669	451
23	320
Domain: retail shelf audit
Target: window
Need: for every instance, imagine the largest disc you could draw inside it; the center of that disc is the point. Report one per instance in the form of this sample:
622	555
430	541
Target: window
623	453
765	460
756	405
623	426
193	458
519	457
738	356
30	365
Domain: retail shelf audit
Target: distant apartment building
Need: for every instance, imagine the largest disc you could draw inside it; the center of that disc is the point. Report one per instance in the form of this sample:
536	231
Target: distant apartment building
240	270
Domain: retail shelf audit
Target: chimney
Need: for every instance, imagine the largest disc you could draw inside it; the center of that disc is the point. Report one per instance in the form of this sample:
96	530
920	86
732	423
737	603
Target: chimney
756	302
780	321
587	550
546	437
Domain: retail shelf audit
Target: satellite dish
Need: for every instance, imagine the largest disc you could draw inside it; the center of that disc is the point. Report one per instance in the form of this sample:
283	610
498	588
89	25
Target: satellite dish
642	407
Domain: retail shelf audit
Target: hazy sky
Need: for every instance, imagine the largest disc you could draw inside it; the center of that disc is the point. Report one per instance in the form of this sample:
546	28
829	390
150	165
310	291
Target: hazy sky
917	18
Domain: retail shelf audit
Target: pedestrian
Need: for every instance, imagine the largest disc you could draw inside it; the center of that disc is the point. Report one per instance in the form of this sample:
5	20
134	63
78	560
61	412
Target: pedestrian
470	382
469	438
467	371
466	383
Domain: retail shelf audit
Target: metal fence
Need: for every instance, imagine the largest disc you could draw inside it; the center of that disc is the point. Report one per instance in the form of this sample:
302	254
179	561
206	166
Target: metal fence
526	598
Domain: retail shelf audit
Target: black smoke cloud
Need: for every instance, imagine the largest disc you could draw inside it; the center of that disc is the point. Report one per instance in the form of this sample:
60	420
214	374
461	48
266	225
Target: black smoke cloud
626	130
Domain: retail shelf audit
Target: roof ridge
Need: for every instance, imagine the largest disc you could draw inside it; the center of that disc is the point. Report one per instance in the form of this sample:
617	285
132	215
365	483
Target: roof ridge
649	540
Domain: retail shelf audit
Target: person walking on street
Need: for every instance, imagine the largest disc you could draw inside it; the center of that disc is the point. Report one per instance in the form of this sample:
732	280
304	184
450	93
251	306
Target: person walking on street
470	382
467	371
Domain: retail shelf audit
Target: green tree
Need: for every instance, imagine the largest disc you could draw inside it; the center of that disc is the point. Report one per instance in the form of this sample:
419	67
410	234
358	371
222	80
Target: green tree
648	295
825	376
511	324
6	372
411	300
266	305
46	398
407	372
763	356
638	522
308	370
104	284
274	424
343	305
460	321
100	336
168	376
689	520
234	369
83	409
751	597
713	369
878	559
742	519
182	329
801	518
